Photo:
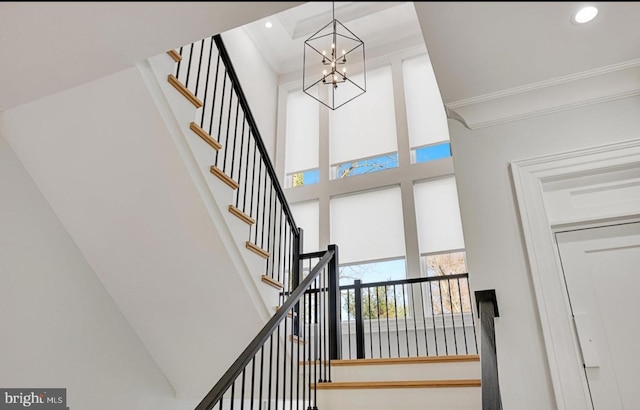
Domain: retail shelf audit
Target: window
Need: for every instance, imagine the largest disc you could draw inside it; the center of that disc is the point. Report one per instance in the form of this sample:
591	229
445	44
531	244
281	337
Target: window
307	217
366	166
377	271
368	226
426	118
365	128
302	131
431	153
438	216
309	177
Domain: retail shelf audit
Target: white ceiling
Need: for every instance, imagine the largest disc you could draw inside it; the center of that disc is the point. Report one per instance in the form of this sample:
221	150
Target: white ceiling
476	48
48	47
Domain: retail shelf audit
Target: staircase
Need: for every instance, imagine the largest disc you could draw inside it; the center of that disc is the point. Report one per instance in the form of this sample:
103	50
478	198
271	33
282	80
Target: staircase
266	241
220	187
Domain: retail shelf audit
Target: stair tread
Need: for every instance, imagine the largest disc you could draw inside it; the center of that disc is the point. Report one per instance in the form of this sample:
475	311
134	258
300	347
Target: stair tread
272	282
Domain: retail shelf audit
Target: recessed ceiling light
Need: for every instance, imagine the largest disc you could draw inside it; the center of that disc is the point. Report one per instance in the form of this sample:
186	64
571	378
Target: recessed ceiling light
268	24
585	15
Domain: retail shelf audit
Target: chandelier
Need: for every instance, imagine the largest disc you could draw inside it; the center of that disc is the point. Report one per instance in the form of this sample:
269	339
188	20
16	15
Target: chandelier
333	67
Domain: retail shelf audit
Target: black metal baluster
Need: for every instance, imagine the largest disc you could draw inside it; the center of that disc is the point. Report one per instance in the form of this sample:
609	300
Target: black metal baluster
199	67
321	327
213	103
280	245
444	327
378	296
233	149
406	326
233	388
243	161
257	218
226	138
414	313
178	65
433	317
359	319
369	318
269	259
284	362
261	196
395	310
220	117
186	83
261	377
253	379
206	84
349	322
315	337
424	320
242	390
278	364
270	370
453	322
221	402
386	302
296	318
253	184
464	329
303	333
473	319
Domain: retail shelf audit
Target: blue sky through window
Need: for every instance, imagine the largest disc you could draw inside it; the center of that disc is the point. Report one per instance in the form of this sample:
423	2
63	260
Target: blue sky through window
311	177
367	165
433	152
373	271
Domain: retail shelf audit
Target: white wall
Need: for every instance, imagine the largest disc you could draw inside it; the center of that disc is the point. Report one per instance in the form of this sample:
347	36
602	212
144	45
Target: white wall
112	171
496	254
60	328
259	82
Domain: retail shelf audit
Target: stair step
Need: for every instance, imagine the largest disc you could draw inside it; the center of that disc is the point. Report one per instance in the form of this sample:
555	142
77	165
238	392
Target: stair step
174	54
272	282
406	368
256	249
224	177
205	136
244	217
184	91
460	394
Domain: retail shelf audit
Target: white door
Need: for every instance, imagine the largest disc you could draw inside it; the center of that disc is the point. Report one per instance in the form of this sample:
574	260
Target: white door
602	274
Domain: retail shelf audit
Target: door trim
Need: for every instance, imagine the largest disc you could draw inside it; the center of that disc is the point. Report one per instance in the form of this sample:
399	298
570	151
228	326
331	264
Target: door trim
532	179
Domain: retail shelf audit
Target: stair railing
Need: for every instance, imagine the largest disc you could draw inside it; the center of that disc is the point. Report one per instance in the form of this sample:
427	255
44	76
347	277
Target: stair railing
208	72
488	310
413	317
280	369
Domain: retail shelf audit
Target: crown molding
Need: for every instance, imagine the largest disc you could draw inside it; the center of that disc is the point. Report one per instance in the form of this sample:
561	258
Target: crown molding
596	86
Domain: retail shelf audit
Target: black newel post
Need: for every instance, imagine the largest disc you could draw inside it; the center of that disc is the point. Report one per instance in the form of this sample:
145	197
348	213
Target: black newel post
487	306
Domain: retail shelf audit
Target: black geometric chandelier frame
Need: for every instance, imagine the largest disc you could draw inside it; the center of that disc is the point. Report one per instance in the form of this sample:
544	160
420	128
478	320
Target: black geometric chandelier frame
327	55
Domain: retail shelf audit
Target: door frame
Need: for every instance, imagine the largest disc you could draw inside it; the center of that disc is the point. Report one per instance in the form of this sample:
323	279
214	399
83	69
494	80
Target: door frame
537	183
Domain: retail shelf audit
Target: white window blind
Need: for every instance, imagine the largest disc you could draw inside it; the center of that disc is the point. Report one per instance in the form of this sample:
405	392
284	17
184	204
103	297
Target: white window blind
368	226
366	126
301	132
426	117
438	215
307	217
